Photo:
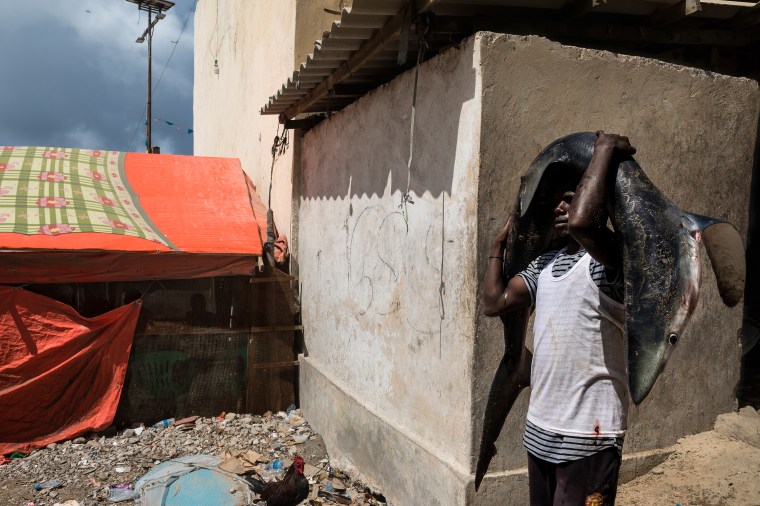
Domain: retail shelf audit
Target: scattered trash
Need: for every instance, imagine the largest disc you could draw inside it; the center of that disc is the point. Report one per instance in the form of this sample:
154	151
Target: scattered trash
121	492
48	484
187	423
163	423
290	408
334	497
273	471
338	485
247	445
239	461
70	502
300	438
17	455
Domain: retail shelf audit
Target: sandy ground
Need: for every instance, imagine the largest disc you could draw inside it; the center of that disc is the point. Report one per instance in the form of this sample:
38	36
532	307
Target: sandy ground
719	467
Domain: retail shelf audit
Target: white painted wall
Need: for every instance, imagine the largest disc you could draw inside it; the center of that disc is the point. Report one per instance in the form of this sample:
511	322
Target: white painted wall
253	44
389	291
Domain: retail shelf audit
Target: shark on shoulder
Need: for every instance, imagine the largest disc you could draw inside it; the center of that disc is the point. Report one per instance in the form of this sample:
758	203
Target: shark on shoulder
661	268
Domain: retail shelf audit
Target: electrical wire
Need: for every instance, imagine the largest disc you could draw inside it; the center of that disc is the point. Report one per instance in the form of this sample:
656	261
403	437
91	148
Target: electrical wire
142	116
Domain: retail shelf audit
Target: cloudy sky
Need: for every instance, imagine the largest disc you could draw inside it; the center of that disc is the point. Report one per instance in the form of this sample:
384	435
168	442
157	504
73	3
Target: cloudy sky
73	76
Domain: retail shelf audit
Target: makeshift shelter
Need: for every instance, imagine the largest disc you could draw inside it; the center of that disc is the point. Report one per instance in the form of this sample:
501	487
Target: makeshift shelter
99	230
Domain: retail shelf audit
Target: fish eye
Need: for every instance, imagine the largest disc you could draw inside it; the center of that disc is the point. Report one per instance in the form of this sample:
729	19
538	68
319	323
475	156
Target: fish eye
673	339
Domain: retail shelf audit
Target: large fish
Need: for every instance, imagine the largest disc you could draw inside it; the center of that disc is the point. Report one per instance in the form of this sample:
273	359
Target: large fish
661	267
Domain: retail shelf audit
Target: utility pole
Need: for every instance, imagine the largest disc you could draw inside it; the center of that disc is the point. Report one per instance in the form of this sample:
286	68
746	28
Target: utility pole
158	7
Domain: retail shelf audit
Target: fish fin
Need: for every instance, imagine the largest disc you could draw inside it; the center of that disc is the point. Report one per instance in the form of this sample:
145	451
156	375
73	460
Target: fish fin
488	445
726	251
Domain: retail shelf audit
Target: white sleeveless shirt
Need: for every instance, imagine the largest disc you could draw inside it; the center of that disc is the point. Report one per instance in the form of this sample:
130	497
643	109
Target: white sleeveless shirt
578	378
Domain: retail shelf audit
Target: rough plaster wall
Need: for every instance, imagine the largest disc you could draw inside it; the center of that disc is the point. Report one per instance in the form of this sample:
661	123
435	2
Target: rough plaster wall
695	134
253	44
388	295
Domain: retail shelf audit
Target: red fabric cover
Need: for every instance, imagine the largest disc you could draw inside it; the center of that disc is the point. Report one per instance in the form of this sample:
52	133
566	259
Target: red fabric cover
61	374
206	206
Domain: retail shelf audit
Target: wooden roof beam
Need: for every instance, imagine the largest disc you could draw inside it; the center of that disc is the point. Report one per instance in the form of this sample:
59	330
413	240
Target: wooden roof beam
675	12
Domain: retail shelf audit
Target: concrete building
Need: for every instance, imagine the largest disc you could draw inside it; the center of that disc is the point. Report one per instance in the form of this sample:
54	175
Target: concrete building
390	209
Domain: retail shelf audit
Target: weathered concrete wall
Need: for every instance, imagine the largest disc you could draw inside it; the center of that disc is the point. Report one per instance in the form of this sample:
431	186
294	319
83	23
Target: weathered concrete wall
389	291
253	44
695	133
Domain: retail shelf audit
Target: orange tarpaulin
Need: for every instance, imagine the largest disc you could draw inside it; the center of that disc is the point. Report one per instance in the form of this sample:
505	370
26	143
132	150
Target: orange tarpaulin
71	215
61	374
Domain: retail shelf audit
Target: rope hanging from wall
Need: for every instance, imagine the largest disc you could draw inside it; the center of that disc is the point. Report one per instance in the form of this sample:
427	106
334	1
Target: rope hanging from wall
406	197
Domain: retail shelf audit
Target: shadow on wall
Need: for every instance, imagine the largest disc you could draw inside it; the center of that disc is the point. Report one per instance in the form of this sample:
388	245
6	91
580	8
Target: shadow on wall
748	389
358	150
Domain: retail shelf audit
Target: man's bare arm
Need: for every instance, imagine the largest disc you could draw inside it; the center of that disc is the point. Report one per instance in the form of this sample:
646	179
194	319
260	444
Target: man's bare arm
587	217
498	298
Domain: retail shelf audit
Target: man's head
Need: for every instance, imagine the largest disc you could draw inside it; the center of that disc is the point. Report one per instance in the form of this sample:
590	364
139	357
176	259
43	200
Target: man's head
558	188
562	200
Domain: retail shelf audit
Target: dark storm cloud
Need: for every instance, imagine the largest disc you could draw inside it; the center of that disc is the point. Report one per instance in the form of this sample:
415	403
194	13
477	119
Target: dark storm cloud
74	78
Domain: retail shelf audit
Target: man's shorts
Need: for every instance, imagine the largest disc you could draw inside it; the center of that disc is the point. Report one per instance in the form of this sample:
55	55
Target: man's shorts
590	481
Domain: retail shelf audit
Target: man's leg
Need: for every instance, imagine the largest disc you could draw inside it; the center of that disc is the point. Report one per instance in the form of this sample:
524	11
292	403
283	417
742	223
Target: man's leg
590	481
541	481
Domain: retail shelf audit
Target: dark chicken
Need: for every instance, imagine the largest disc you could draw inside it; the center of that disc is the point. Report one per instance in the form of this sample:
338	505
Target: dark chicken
289	491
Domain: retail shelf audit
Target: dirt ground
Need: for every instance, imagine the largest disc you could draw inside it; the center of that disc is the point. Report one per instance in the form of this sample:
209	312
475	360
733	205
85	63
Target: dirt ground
715	468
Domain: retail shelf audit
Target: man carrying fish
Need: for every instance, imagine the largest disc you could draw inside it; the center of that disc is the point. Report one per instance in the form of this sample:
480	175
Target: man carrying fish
579	391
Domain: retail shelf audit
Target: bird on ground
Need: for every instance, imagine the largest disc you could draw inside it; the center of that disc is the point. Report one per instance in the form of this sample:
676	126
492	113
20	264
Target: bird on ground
289	491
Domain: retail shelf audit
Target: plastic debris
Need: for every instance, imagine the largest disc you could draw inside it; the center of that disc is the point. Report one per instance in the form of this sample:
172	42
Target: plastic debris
122	469
300	438
193	479
163	423
48	484
121	492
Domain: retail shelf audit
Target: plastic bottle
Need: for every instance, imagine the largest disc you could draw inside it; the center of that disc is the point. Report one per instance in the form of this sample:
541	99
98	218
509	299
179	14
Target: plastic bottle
279	469
48	484
163	423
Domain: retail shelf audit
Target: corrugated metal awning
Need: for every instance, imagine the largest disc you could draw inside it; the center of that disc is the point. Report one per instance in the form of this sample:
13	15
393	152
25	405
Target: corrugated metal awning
375	40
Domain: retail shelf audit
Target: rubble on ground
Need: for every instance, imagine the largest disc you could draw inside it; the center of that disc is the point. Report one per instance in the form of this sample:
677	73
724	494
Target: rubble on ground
88	467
